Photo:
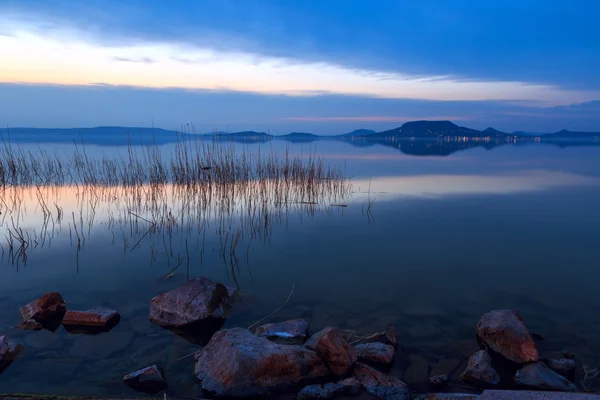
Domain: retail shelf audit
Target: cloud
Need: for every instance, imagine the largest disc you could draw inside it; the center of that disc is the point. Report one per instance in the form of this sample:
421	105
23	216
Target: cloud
144	60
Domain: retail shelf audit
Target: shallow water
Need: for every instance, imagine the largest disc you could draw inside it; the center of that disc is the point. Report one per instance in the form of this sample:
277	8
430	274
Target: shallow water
446	239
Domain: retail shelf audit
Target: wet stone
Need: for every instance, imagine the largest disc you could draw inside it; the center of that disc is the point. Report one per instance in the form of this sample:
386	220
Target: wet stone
438	380
348	386
30	325
480	370
47	310
563	366
330	345
293	331
380	385
449	396
149	380
9	351
375	352
539	376
97	317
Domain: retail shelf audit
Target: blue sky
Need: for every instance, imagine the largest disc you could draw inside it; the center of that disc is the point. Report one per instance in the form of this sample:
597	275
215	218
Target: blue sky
322	66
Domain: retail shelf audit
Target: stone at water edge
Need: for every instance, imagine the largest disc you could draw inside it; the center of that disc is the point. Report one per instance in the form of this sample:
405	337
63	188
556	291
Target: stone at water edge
480	370
380	385
30	325
294	331
539	376
196	301
97	317
48	307
504	332
563	366
149	380
350	386
449	396
236	363
329	343
376	352
438	381
9	351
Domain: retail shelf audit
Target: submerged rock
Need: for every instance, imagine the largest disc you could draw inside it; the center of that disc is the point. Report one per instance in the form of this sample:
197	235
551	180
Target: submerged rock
563	366
539	376
376	352
504	332
30	325
149	380
48	309
417	371
330	390
236	363
438	381
329	343
294	331
389	336
95	319
198	301
449	396
480	370
380	385
9	351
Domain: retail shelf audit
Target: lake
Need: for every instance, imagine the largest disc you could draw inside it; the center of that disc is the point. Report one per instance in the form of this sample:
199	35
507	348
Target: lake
424	241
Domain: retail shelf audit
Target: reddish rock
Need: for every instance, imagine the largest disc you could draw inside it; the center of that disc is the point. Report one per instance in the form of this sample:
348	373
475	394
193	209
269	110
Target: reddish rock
9	351
390	337
199	300
330	344
236	363
149	380
504	332
480	370
376	352
294	331
48	307
348	386
30	325
380	385
97	317
539	376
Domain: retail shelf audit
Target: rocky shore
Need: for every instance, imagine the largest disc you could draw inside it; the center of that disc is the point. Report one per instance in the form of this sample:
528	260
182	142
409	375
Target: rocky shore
285	359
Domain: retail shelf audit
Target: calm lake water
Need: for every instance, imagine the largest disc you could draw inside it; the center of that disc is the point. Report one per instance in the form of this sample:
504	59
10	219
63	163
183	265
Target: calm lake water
446	239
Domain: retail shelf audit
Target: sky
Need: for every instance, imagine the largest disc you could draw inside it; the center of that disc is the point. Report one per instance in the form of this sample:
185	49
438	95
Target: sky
326	67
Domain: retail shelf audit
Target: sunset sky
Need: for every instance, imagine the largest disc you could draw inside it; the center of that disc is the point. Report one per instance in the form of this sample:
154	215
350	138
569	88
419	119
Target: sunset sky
320	66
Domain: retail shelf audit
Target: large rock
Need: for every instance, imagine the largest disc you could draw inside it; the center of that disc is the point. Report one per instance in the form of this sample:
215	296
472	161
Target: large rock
95	319
539	376
330	344
376	352
47	308
349	386
563	366
9	351
504	332
380	385
197	301
480	370
149	380
294	331
236	363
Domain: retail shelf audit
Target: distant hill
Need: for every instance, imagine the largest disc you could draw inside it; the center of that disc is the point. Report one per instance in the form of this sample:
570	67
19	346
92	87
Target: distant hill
300	137
244	135
491	132
429	129
565	134
358	132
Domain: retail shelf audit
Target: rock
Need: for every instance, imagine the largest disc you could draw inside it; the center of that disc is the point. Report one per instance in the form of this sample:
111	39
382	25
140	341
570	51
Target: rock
294	331
539	376
376	352
9	351
47	308
96	319
380	385
449	396
149	380
563	366
30	325
438	380
329	343
529	395
236	363
417	371
504	332
390	337
330	390
198	301
480	370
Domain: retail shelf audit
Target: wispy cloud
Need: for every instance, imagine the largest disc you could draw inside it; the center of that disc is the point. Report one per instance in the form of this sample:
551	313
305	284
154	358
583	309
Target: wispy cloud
144	60
381	118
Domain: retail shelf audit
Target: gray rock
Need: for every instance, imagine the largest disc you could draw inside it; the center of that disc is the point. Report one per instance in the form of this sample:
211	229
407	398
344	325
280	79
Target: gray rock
504	332
438	380
149	380
539	376
329	390
293	331
563	366
480	370
197	301
527	395
449	396
330	345
380	385
236	363
376	352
